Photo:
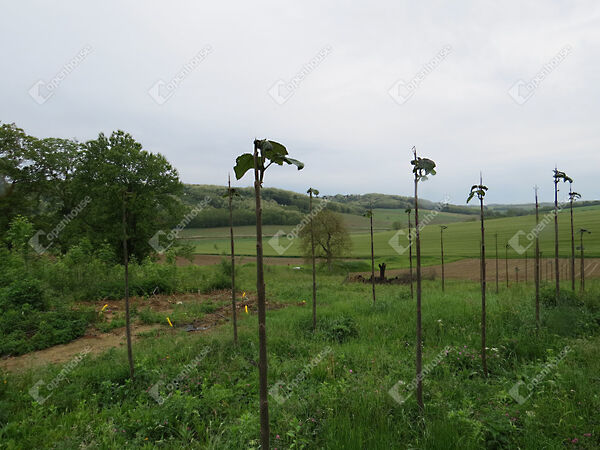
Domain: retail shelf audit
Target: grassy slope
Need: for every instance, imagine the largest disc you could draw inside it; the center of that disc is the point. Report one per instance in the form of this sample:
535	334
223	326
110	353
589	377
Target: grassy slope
342	402
461	238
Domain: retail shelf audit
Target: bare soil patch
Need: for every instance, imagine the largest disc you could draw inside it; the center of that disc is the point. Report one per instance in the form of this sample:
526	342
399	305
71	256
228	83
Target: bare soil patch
99	342
208	260
468	269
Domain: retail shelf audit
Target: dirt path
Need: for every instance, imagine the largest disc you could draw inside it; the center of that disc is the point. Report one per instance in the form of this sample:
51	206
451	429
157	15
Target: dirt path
99	342
468	269
96	341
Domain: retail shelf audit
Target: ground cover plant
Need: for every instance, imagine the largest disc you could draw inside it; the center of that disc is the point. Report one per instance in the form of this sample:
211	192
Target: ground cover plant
341	398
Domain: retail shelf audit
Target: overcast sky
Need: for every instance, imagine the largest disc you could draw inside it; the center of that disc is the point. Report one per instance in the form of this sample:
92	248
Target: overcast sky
509	88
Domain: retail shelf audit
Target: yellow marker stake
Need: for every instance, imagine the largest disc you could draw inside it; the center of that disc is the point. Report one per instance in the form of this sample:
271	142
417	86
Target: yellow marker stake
169	320
246	308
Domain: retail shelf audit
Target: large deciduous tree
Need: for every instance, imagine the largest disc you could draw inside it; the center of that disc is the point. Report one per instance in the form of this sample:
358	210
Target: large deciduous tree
129	188
116	165
331	237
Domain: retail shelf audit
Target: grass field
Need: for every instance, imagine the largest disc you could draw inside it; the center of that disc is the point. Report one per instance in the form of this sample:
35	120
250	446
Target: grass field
461	239
333	385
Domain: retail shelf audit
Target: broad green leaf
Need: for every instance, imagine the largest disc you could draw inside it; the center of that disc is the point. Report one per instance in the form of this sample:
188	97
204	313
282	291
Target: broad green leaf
277	148
423	167
243	164
296	163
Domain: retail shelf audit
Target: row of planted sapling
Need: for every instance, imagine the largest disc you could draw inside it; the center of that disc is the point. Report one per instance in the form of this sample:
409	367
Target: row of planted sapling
267	153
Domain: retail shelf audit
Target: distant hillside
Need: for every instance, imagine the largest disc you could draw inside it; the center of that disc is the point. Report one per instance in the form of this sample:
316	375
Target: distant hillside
281	207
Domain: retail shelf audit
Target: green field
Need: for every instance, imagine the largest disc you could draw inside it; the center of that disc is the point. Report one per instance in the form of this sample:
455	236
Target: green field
461	239
348	366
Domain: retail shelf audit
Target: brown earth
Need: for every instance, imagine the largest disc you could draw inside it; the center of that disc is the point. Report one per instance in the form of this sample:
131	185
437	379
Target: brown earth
207	260
98	342
468	269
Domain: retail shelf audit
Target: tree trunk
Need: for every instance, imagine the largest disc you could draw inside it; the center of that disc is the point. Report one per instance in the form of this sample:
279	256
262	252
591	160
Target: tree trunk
506	263
372	258
537	263
262	330
483	286
442	249
382	267
419	362
127	315
572	250
412	294
582	275
556	268
497	278
233	308
314	270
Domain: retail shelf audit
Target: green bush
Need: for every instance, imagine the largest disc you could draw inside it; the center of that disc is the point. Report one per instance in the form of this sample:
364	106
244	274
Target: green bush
220	278
337	329
27	291
565	298
149	317
27	330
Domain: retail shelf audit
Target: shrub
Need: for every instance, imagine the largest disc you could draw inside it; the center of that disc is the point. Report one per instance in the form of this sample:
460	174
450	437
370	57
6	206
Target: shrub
338	329
149	317
21	292
220	279
566	298
27	330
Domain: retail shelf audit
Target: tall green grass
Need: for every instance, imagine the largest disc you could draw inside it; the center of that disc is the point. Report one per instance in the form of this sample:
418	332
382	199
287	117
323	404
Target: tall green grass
343	401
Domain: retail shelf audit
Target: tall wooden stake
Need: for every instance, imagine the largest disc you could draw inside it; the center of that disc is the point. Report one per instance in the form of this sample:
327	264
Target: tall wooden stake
419	362
262	327
314	265
233	308
412	294
537	261
372	255
127	313
497	277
